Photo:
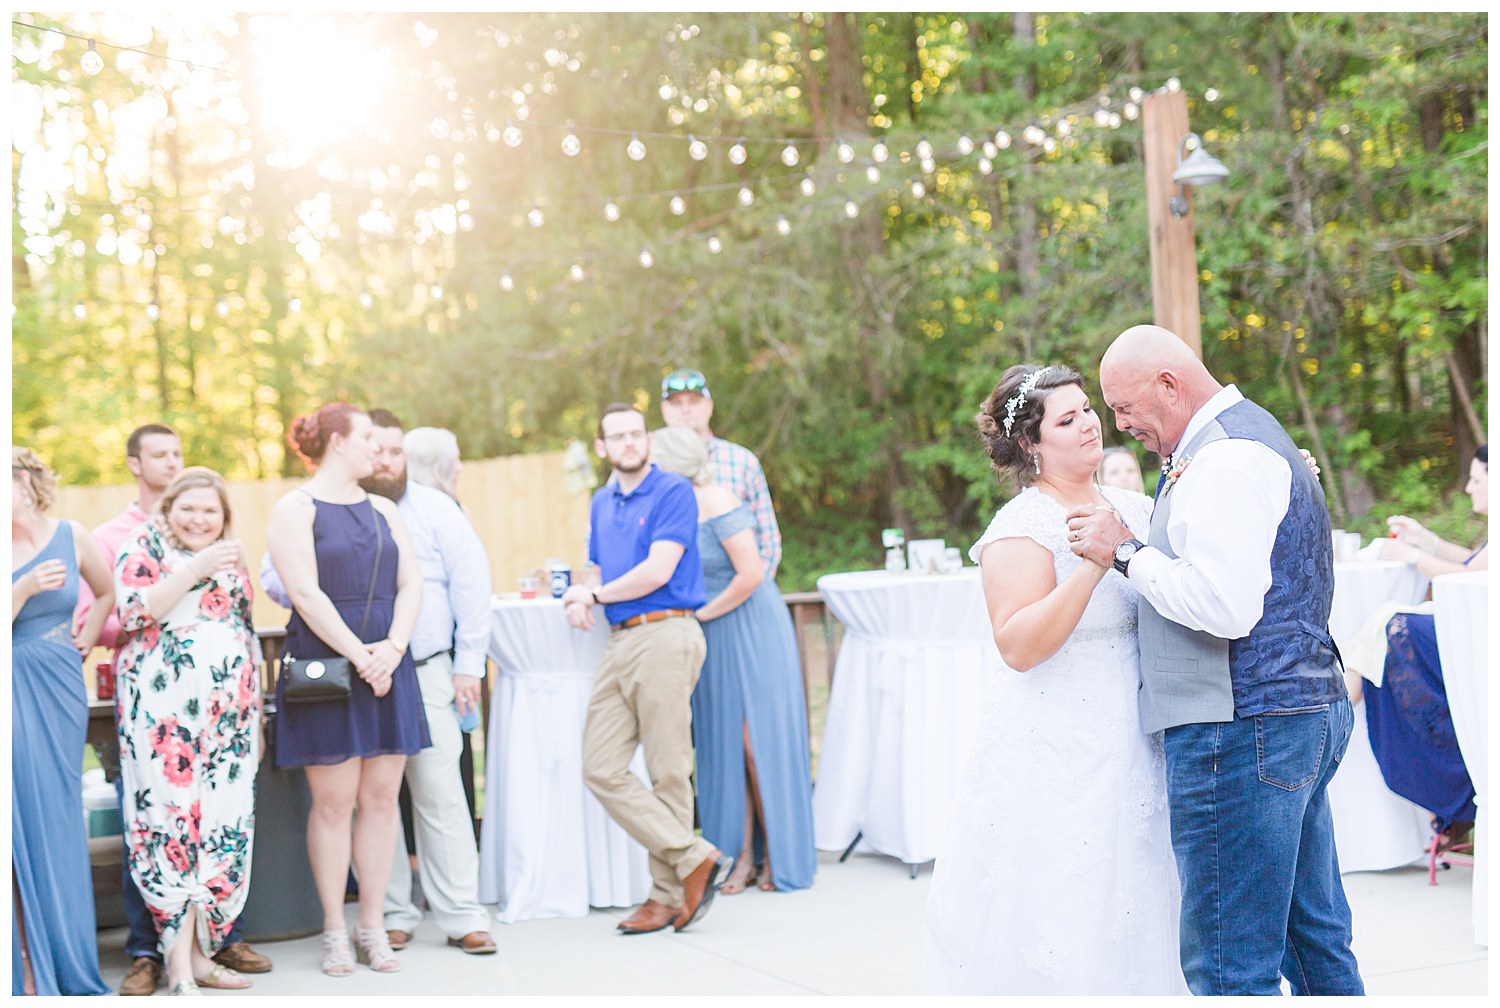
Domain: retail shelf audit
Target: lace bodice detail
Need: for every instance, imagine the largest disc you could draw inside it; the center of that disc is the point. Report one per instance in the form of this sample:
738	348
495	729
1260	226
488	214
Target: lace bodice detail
1033	515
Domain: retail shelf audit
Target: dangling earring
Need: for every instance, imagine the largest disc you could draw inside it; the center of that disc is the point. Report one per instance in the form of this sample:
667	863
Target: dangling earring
26	497
1036	460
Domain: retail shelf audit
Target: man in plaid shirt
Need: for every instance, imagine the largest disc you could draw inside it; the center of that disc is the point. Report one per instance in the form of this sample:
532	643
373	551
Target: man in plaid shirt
686	402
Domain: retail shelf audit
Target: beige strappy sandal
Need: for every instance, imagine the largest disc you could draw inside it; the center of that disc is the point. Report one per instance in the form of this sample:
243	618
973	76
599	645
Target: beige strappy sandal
373	947
338	957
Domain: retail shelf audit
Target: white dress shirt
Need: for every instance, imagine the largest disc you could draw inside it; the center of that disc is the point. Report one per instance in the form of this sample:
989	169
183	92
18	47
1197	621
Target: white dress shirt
455	580
1226	508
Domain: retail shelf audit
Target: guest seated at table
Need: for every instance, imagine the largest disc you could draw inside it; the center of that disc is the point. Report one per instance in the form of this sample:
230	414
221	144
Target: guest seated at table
1411	726
189	705
749	711
1119	468
1426	550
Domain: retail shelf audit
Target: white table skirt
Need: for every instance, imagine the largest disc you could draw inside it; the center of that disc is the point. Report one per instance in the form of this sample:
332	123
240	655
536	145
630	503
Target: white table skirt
1374	828
1461	619
904	709
547	847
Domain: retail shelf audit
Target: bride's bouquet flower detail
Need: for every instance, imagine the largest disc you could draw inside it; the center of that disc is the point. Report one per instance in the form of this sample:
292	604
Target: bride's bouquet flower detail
1174	468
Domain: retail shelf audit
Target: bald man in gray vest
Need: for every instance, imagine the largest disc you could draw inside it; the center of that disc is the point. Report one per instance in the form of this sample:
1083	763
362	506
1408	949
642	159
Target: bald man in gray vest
1237	668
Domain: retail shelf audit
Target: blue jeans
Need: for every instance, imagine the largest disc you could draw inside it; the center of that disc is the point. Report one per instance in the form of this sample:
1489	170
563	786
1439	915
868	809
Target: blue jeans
142	941
1253	835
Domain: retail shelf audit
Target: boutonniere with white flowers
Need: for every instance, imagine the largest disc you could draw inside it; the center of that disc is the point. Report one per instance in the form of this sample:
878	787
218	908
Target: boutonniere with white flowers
1175	467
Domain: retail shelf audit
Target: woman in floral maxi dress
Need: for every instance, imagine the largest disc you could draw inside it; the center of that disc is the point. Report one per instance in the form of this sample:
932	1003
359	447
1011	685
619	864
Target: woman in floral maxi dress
189	709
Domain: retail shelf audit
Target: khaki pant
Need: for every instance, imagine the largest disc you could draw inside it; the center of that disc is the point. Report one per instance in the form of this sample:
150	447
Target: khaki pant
642	695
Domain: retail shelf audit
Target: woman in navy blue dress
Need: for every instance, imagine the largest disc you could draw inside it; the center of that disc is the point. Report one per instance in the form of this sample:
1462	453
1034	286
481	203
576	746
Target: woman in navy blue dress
749	712
53	949
324	539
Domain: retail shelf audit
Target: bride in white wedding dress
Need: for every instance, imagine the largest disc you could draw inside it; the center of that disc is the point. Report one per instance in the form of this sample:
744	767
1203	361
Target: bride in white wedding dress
1058	876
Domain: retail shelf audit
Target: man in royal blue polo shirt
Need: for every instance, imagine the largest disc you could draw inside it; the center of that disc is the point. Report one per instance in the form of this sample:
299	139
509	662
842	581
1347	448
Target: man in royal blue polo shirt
643	544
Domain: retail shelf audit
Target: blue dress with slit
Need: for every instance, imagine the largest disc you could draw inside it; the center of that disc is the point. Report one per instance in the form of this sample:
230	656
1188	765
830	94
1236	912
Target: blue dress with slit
49	843
752	677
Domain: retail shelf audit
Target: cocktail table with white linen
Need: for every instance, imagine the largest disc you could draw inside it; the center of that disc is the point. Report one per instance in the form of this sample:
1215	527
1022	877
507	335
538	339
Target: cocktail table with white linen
904	708
1461	622
1374	828
547	847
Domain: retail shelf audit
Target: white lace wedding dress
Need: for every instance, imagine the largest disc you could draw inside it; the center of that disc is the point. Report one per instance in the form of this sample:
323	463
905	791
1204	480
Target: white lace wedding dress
1058	876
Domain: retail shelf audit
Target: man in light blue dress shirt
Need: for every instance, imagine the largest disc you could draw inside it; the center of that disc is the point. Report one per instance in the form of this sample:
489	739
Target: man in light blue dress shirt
449	646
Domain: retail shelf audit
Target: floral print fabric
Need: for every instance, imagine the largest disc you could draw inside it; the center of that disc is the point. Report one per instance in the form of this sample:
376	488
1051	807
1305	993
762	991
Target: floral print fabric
187	698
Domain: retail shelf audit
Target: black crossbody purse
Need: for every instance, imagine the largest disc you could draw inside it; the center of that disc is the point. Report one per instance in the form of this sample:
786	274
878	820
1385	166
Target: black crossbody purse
319	680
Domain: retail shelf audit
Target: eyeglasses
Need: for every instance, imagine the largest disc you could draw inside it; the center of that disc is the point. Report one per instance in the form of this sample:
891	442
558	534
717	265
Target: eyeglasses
623	436
683	381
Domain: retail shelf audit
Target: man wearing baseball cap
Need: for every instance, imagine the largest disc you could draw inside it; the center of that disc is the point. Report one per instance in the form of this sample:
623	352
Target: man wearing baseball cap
687	402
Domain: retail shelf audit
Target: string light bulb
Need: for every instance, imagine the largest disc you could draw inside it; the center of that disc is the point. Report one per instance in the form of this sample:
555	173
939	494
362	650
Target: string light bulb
536	217
1064	127
506	283
295	304
746	196
714	245
807	186
571	145
1033	135
783	226
965	145
697	149
1101	117
91	62
635	150
365	300
872	174
1212	94
1114	120
511	134
851	209
80	311
153	311
924	149
880	151
678	205
1131	111
1136	94
1002	140
928	166
576	272
1173	84
986	166
789	155
222	307
737	152
1049	145
990	150
646	258
845	152
918	189
611	211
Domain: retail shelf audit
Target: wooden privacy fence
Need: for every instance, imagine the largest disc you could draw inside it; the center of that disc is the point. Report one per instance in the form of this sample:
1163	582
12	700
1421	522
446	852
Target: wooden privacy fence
518	503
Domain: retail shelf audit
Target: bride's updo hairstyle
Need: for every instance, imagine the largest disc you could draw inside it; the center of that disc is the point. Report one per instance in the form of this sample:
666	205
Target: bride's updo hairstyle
309	435
1021	396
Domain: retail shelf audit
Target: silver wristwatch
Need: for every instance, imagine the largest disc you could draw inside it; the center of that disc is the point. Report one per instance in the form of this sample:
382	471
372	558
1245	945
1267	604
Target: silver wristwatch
1124	552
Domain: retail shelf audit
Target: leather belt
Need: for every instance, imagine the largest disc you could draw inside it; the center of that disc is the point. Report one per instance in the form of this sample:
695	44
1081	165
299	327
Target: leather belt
650	617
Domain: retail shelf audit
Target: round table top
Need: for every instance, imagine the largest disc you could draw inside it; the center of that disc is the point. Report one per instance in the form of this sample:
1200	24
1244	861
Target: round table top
909	606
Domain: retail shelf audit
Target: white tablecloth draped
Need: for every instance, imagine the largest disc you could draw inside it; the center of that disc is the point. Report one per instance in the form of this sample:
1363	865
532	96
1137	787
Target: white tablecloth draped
904	709
1374	828
1461	619
547	847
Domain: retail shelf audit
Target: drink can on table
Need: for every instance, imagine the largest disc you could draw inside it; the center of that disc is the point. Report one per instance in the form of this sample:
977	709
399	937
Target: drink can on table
562	577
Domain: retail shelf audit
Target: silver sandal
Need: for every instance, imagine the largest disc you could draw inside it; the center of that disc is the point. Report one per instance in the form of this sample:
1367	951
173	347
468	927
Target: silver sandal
372	946
338	957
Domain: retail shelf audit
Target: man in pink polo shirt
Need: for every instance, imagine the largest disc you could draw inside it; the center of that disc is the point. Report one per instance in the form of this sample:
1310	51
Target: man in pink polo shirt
153	453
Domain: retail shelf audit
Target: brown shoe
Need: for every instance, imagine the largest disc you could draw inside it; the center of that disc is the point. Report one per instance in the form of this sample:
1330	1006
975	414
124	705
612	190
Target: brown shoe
474	943
142	977
241	958
649	916
698	889
398	939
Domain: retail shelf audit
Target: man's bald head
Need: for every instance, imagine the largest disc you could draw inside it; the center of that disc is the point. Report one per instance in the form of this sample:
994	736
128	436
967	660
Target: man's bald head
1154	383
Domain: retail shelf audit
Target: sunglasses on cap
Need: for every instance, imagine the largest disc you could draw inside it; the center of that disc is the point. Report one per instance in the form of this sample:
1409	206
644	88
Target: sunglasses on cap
683	381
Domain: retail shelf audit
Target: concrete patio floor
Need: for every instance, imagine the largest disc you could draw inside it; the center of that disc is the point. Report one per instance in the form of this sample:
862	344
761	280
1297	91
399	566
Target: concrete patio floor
857	931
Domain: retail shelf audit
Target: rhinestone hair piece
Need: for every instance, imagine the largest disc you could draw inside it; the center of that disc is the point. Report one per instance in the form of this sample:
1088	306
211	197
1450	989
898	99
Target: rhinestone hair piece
1015	402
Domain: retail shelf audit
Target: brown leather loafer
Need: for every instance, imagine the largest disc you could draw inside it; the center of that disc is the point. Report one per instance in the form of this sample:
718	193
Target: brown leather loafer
398	939
241	958
699	887
649	916
474	943
142	977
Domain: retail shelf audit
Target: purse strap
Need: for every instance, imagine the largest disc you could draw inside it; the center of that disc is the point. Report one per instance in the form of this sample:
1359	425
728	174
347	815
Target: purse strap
374	574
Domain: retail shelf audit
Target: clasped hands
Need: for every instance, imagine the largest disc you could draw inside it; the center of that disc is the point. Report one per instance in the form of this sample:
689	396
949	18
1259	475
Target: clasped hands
376	664
1094	532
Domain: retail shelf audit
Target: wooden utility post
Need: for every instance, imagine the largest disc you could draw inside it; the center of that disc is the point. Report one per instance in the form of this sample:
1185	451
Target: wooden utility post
1174	253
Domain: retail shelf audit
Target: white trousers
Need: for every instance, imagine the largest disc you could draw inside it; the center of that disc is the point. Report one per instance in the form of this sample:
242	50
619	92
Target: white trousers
446	852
